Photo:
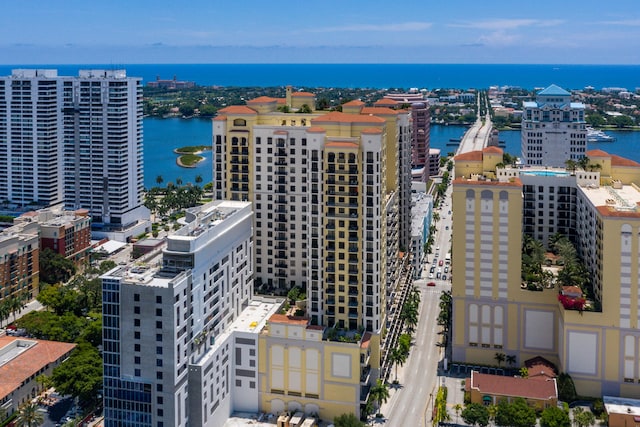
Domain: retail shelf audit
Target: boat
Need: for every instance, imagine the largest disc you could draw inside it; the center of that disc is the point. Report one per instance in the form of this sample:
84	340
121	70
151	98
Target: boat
594	135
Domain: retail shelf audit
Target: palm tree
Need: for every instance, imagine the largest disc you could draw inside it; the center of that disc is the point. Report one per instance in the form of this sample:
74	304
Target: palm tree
571	165
511	359
198	179
4	311
178	181
397	357
29	416
499	357
16	303
159	179
380	393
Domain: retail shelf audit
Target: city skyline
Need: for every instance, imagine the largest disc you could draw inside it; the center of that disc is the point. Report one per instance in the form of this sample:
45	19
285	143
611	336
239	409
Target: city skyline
373	32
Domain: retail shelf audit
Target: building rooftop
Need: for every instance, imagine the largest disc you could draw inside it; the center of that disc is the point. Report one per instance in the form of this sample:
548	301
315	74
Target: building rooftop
621	405
514	386
554	90
207	216
612	200
420	203
20	358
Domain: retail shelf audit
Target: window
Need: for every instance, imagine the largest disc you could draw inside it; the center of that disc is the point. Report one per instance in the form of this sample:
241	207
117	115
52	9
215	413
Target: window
159	337
136	360
159	375
136	372
158	299
136	335
158	312
136	322
136	309
136	347
158	350
238	383
136	297
159	362
158	324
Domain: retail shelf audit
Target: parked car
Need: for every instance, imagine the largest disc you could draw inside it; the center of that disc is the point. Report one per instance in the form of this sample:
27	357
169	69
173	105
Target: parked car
446	269
444	277
431	276
440	263
431	284
432	270
438	275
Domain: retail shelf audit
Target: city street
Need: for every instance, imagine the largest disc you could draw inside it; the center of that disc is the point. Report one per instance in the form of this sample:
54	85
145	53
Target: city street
411	401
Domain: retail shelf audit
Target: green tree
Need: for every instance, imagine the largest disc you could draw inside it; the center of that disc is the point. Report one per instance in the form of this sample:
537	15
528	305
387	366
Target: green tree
566	388
54	267
554	417
29	416
81	375
380	393
159	180
583	418
499	358
457	408
622	121
59	298
198	179
511	359
397	357
516	414
347	420
476	414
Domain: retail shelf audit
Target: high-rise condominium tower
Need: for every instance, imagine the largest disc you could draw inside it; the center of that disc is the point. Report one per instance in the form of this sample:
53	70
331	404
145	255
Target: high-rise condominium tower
76	141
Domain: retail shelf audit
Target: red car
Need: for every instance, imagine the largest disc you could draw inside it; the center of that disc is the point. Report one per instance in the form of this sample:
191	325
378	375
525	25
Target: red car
440	263
431	284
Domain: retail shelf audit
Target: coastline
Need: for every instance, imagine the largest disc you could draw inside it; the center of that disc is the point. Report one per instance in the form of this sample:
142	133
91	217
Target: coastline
182	165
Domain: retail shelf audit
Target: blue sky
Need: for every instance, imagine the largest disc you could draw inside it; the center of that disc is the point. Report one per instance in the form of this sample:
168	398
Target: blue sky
329	31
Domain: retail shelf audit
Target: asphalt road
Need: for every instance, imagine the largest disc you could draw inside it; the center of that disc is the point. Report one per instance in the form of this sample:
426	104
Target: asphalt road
411	401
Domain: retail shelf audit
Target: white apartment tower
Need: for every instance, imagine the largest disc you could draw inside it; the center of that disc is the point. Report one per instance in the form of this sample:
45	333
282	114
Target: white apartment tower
30	151
553	129
76	141
179	347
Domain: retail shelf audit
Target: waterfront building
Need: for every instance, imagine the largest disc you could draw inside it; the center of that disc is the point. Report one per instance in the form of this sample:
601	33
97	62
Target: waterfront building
196	314
421	129
553	129
22	361
494	312
75	141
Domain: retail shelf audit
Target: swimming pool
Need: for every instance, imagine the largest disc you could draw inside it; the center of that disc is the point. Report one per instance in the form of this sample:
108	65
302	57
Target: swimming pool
545	173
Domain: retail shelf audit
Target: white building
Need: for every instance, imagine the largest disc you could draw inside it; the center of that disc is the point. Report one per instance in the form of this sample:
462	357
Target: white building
195	314
553	129
77	141
421	214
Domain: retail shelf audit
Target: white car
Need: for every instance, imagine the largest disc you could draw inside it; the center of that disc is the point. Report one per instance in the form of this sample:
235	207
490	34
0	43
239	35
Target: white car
431	276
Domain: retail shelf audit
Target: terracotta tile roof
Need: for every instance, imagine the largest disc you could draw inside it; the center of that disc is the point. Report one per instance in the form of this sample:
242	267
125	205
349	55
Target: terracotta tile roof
386	101
262	100
221	118
366	340
380	111
612	212
17	370
315	327
343	144
290	320
237	109
303	94
622	161
597	153
316	129
499	385
492	149
354	103
540	368
373	131
338	117
469	156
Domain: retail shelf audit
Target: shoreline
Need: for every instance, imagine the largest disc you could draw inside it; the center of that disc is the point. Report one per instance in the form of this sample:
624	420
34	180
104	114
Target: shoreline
182	165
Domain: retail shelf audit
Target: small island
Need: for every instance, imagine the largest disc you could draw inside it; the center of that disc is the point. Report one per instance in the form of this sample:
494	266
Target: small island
189	156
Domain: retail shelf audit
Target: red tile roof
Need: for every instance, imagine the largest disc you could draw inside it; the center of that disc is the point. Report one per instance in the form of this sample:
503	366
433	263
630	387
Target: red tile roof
316	129
540	368
354	103
622	161
17	370
475	156
237	109
380	111
373	131
291	320
499	385
303	94
338	117
597	153
492	149
262	100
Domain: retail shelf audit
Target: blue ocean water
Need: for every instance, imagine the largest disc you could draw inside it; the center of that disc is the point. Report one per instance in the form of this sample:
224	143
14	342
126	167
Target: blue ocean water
381	76
162	136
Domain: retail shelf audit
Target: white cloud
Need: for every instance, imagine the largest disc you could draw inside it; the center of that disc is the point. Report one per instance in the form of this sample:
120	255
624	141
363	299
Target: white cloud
399	27
498	38
507	24
624	22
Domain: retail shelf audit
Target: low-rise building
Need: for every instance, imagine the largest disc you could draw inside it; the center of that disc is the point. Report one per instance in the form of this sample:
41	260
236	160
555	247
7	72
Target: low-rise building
22	360
487	389
621	412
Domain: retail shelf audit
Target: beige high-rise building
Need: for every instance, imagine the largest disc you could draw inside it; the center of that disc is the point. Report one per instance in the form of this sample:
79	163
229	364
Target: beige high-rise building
495	313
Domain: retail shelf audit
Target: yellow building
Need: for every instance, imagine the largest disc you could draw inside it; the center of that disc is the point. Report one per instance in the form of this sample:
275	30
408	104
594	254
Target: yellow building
330	199
599	209
303	368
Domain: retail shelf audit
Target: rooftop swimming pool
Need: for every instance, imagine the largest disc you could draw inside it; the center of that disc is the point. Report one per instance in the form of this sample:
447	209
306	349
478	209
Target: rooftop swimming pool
545	173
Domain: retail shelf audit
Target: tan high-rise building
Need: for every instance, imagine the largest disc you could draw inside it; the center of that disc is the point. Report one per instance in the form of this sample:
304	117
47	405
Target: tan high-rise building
495	313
